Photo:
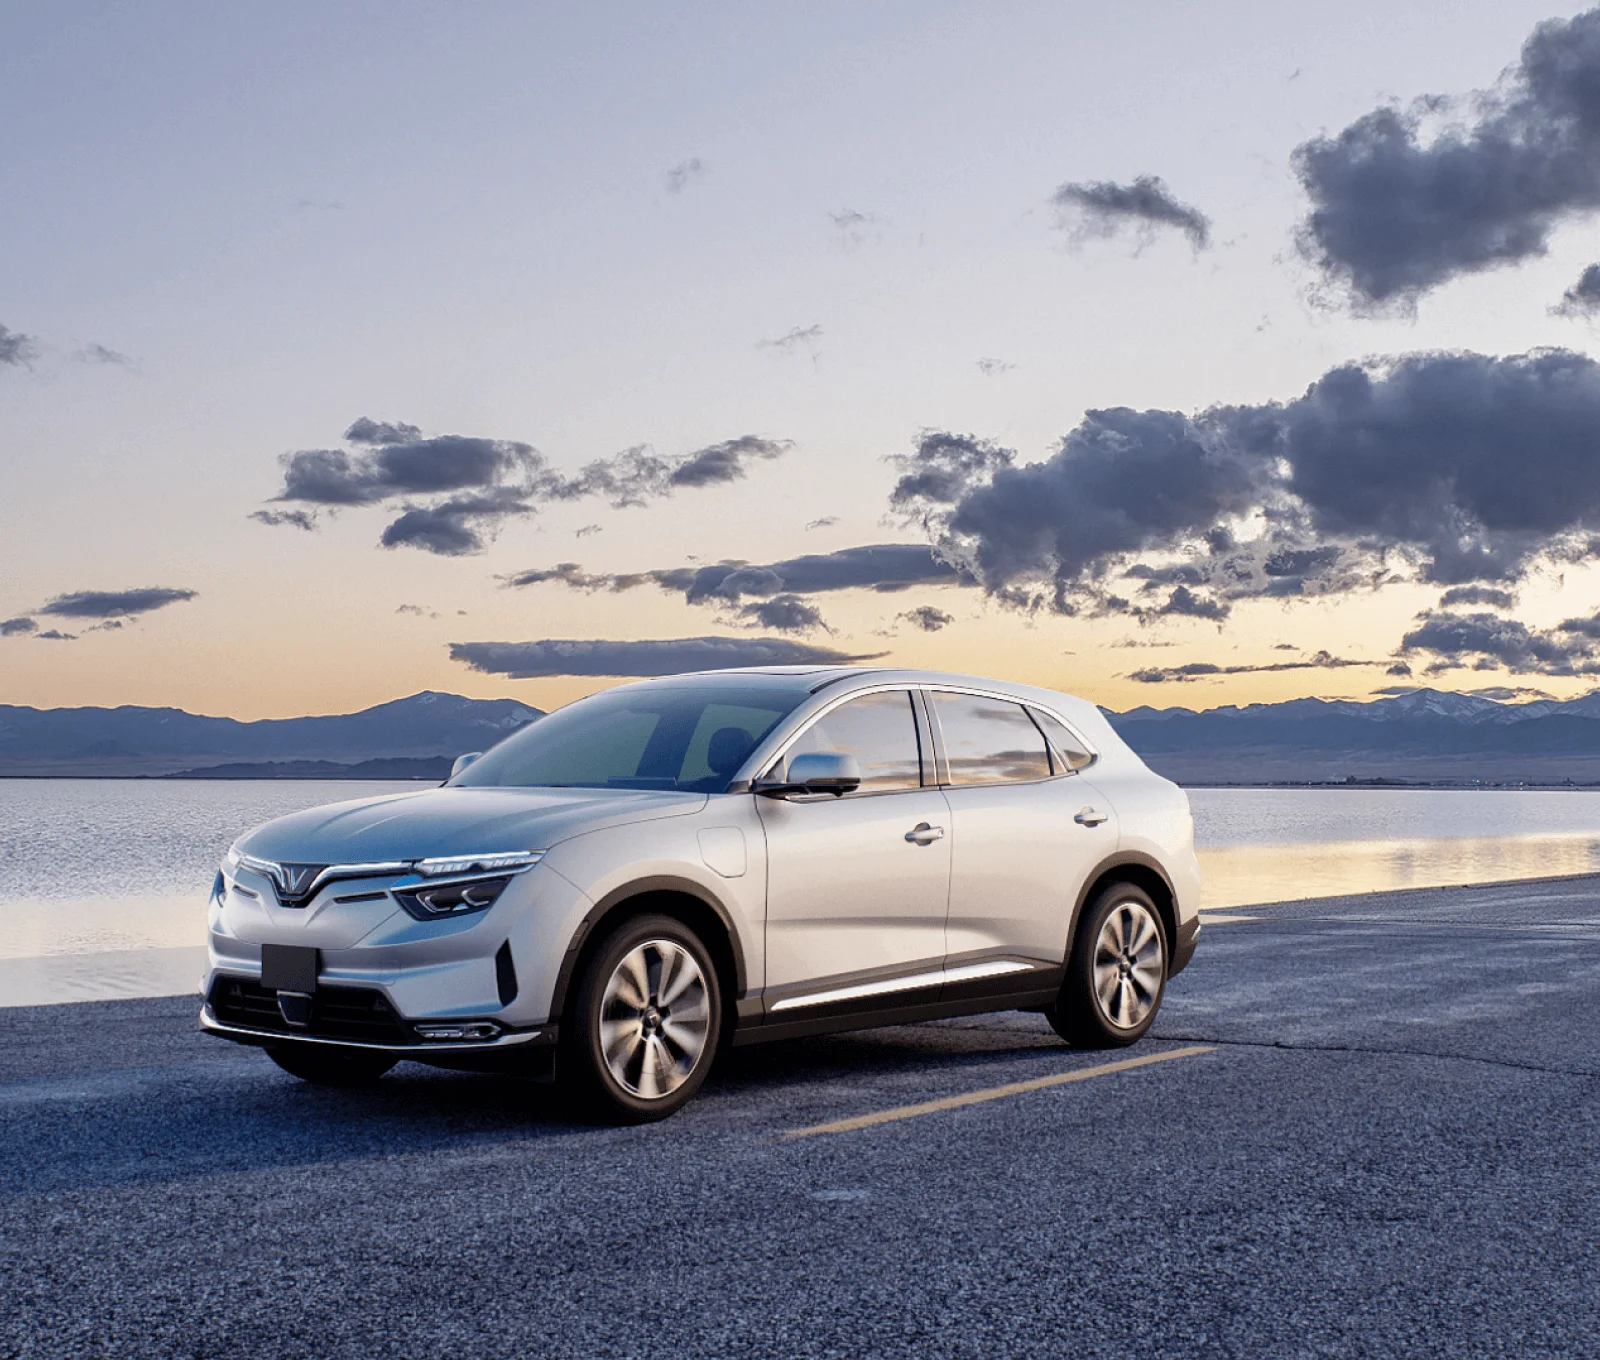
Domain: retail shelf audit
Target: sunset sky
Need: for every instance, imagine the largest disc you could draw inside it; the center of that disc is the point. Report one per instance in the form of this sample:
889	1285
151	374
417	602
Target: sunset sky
339	342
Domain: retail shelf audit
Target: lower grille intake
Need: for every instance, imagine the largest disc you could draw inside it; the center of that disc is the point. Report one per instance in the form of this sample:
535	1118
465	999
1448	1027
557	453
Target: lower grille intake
355	1014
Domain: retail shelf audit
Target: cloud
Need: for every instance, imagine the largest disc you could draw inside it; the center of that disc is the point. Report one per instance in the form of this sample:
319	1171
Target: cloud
452	492
883	567
668	656
110	604
1399	668
683	174
1498	599
1103	208
993	368
1583	298
826	522
99	354
299	519
786	613
56	635
585	530
16	349
1487	641
798	337
1400	204
1199	670
1451	468
927	618
17	627
416	609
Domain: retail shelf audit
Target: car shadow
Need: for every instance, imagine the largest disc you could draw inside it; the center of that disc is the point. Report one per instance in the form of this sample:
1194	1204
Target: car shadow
176	1119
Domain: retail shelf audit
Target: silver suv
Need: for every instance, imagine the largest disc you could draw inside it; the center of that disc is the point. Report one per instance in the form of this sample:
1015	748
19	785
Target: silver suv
620	889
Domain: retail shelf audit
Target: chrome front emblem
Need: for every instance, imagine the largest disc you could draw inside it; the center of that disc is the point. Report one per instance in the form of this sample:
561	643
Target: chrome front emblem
292	882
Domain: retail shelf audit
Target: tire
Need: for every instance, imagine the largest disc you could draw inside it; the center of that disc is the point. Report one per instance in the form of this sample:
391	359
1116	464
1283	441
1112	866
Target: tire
1117	974
645	1023
331	1066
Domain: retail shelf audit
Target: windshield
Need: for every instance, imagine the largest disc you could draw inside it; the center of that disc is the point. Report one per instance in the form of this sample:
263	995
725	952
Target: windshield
645	737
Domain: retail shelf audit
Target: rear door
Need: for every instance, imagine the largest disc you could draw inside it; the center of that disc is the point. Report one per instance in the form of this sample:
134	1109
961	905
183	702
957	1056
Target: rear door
1027	831
858	886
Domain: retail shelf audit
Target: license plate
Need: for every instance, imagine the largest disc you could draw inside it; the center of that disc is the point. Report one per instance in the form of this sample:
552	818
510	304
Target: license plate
289	967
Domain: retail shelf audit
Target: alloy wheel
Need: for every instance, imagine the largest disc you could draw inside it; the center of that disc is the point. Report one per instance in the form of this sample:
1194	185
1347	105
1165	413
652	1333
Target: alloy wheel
655	1017
1128	964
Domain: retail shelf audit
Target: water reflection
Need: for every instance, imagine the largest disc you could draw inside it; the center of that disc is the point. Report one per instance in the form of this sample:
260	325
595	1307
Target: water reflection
1248	875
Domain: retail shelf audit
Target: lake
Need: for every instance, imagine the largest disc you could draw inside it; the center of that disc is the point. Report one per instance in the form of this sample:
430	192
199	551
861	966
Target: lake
103	881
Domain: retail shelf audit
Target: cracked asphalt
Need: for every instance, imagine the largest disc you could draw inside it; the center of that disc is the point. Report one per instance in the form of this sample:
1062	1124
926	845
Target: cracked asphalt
1391	1151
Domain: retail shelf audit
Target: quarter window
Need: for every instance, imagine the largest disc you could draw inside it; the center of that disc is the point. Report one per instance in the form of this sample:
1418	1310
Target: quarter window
1065	747
989	741
880	731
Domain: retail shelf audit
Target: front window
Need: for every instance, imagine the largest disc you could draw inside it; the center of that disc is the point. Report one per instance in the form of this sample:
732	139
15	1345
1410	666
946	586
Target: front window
880	731
692	738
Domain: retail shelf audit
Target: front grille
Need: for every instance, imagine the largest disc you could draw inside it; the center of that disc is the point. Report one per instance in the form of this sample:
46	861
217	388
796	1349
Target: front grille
357	1014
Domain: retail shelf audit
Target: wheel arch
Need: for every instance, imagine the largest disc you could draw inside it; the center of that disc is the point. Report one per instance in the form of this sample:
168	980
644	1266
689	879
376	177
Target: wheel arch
1143	872
681	898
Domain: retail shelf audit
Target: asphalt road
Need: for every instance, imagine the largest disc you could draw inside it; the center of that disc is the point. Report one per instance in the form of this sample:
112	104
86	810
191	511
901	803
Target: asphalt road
1390	1151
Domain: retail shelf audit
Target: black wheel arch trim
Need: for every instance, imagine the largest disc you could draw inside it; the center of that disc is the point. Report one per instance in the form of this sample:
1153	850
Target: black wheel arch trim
1134	859
616	899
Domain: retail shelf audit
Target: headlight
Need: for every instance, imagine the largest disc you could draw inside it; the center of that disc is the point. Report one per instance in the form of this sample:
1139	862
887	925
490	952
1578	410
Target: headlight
513	861
430	901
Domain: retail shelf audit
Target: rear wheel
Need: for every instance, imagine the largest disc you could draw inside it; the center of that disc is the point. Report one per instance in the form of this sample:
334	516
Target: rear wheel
1117	973
331	1066
646	1021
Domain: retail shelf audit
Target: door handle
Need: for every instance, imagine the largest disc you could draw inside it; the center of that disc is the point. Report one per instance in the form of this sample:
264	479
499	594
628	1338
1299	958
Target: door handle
923	834
1089	816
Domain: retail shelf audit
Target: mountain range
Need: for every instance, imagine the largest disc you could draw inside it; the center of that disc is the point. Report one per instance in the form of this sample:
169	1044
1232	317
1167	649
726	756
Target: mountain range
1425	736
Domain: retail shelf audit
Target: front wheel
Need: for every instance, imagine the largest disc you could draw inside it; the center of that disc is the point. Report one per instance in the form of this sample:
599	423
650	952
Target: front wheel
1117	973
646	1021
331	1066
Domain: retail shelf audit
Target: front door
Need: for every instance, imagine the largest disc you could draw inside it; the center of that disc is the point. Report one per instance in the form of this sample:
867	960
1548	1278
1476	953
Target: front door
858	886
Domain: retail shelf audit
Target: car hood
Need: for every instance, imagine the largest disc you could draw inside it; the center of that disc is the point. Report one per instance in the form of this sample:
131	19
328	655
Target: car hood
455	821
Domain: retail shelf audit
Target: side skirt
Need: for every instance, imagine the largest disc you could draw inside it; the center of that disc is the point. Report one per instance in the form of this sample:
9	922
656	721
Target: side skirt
905	1012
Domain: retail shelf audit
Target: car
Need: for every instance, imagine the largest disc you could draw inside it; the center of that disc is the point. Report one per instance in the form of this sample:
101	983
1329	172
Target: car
621	889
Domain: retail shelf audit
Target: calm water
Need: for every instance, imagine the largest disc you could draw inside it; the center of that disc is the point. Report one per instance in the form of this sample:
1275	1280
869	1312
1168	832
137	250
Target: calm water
103	882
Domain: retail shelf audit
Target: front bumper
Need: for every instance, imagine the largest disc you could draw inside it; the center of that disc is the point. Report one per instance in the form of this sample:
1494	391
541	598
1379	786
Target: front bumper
241	1010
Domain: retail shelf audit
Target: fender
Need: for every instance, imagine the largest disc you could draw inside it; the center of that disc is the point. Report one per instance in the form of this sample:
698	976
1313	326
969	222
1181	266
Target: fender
638	888
1117	861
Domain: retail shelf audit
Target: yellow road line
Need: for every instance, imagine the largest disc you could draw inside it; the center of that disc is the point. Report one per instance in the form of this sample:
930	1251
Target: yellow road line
1015	1088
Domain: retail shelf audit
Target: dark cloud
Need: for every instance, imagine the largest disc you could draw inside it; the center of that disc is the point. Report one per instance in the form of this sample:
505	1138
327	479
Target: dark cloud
1583	298
99	354
480	483
1103	208
456	527
1185	603
1399	668
1497	599
1199	670
17	627
364	430
826	522
585	530
683	174
1455	468
927	618
16	349
1485	641
56	635
299	519
786	613
669	656
110	604
1400	205
883	567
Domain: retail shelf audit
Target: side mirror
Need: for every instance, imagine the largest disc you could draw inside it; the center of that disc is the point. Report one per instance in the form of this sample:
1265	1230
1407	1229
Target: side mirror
835	772
463	761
